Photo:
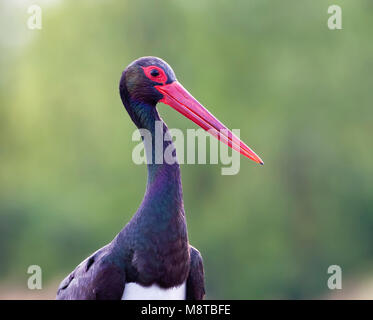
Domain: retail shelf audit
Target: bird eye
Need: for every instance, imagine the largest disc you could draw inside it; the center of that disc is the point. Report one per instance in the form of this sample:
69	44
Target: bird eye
154	73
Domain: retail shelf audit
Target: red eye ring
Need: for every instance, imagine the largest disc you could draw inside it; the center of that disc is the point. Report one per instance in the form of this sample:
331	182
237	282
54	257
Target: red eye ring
160	78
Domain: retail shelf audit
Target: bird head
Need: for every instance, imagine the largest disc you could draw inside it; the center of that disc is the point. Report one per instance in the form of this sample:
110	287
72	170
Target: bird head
149	80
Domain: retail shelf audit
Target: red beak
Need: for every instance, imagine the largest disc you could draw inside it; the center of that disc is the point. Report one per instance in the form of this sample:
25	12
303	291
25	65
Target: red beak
177	97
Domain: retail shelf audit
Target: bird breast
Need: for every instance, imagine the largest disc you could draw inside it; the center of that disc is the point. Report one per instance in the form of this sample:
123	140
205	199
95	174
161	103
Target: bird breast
135	291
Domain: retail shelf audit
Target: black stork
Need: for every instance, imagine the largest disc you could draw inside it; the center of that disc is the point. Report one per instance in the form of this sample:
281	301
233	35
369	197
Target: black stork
151	257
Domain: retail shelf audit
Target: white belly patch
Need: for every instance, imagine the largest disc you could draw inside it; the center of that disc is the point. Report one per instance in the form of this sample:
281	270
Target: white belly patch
134	291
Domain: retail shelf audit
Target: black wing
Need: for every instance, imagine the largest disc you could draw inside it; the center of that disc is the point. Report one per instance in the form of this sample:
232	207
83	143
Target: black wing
195	289
96	278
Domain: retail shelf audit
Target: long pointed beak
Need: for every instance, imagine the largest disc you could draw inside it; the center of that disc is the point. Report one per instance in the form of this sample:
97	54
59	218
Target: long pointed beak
177	97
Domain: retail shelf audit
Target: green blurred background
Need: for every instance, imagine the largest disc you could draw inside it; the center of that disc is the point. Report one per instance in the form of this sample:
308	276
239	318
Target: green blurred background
300	93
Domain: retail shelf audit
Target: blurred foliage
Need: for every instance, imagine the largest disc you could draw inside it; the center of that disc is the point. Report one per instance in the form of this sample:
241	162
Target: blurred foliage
300	93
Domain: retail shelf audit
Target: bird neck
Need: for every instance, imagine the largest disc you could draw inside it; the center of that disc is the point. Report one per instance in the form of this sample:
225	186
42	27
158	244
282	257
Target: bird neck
163	194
